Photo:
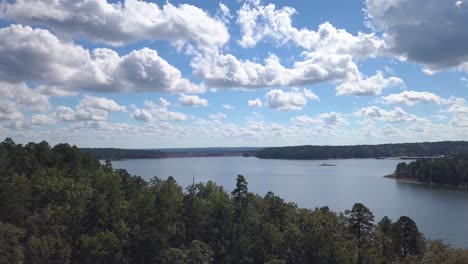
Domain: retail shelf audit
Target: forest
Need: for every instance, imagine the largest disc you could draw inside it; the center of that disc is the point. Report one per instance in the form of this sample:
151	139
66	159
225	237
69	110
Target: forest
425	149
59	205
120	154
450	171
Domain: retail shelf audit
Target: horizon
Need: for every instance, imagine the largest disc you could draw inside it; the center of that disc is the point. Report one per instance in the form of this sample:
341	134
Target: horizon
190	74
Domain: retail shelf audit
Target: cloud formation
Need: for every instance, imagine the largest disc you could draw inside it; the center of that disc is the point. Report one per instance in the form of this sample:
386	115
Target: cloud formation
367	86
430	32
412	97
192	100
397	115
259	23
29	54
290	100
122	22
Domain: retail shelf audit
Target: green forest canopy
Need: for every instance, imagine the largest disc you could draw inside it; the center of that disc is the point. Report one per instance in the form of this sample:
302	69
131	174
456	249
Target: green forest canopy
424	149
58	205
451	170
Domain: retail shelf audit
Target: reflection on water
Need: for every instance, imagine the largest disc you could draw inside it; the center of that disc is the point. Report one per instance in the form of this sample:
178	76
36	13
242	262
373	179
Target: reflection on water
440	213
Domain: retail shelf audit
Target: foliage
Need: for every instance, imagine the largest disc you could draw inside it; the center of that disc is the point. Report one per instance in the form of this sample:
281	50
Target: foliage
424	149
119	154
58	205
452	171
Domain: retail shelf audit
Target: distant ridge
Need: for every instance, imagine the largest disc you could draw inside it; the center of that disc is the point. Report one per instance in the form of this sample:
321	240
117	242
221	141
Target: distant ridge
423	149
120	154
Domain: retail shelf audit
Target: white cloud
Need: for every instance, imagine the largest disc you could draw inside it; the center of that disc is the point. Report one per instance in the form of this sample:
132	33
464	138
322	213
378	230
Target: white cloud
29	54
227	71
458	107
53	90
140	70
41	119
65	113
9	111
92	114
192	100
255	103
329	120
81	113
142	115
304	120
430	32
24	97
122	22
162	113
258	23
388	129
228	106
164	102
218	116
368	86
413	97
224	14
396	115
291	100
101	103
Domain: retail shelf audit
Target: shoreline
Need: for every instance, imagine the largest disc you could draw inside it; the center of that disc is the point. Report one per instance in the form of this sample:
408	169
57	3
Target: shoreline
414	181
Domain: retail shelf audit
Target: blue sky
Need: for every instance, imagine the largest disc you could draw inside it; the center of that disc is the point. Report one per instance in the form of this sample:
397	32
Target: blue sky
150	74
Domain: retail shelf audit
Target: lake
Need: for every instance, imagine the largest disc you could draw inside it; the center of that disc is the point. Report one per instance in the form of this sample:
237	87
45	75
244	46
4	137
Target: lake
439	213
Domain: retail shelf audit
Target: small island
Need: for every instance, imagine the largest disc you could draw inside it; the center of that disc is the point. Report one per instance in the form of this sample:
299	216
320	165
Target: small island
327	165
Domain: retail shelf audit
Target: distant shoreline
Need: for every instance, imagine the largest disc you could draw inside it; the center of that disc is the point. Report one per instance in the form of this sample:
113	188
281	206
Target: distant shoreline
414	181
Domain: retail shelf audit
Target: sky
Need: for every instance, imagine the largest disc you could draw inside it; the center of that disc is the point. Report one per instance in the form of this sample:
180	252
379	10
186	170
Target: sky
161	74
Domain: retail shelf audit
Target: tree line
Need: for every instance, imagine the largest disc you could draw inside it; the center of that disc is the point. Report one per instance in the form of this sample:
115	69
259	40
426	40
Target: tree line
450	170
58	205
424	149
120	154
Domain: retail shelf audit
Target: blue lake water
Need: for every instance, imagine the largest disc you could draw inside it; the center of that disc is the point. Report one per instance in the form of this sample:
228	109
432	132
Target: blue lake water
439	213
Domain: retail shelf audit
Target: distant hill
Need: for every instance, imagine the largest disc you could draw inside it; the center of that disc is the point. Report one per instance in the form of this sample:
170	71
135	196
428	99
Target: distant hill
119	154
424	149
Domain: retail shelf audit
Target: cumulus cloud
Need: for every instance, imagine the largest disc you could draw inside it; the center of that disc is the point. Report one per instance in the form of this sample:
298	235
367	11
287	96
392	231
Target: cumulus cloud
255	103
24	97
412	97
397	115
258	23
65	113
28	54
330	120
430	32
228	71
15	98
223	13
121	22
142	115
89	109
41	119
161	111
458	107
140	70
290	100
88	113
192	100
459	111
367	86
228	106
218	116
101	103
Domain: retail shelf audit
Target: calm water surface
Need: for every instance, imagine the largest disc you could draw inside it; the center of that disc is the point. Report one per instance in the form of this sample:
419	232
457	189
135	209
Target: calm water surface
439	213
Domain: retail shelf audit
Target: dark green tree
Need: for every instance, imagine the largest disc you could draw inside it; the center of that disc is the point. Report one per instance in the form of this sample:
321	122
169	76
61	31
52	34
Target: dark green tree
407	238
